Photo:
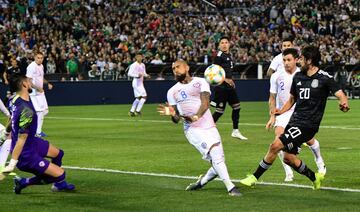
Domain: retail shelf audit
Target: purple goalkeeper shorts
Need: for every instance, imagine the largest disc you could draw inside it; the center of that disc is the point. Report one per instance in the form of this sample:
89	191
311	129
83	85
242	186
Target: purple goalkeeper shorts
33	161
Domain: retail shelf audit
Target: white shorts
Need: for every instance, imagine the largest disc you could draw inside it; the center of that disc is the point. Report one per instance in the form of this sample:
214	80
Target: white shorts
283	119
203	139
39	102
139	91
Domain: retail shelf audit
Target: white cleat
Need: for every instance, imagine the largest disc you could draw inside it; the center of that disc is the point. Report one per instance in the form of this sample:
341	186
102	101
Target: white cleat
236	134
289	178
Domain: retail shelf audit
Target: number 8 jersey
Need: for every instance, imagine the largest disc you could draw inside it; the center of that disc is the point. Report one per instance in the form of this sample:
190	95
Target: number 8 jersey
310	95
187	99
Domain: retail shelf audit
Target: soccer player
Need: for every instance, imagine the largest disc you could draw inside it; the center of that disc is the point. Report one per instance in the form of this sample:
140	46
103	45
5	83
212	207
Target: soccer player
280	84
35	71
5	141
226	91
137	71
277	63
189	99
309	90
28	151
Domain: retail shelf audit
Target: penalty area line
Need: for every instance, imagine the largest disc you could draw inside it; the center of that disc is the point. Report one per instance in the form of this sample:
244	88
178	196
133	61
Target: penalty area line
194	177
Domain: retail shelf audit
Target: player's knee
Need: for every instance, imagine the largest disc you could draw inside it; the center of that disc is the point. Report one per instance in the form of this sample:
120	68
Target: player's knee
236	106
45	112
276	146
288	160
219	110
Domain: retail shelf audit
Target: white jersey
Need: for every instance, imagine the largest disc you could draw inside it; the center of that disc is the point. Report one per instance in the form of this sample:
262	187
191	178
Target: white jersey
280	84
36	73
187	99
277	64
135	70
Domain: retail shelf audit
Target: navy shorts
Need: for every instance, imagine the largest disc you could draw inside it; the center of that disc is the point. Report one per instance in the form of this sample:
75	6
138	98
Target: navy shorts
34	162
224	94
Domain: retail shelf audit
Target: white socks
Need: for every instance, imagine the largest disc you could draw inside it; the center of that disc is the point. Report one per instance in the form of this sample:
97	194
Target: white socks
4	152
287	168
210	175
134	105
40	121
315	148
218	162
140	105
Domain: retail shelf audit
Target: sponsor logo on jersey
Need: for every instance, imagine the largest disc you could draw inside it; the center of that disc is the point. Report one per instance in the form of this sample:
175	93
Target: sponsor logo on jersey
299	83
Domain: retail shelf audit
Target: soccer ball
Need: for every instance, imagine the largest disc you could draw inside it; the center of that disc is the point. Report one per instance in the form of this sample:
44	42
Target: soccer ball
214	74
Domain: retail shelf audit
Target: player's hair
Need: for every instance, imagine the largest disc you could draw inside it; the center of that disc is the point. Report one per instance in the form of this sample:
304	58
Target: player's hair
16	80
312	53
224	37
38	52
294	52
288	39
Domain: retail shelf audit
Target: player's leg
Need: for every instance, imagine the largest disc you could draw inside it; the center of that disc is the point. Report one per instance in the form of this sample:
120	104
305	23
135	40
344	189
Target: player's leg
289	175
137	96
314	146
141	102
300	166
265	163
218	163
235	115
219	102
56	155
4	152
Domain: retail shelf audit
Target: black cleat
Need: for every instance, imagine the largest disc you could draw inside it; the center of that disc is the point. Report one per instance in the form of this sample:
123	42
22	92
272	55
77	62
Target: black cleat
235	192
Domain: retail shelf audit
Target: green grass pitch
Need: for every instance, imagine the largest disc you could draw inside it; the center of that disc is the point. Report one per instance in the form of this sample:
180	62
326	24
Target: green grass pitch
105	137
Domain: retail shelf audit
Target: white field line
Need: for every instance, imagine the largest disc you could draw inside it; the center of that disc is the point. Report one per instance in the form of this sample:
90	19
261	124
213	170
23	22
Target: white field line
165	121
193	177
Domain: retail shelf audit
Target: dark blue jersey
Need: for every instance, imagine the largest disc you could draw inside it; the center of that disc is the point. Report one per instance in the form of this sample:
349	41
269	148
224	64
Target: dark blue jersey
310	95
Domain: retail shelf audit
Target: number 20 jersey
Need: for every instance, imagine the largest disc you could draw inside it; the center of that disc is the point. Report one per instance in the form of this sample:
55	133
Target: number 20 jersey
310	94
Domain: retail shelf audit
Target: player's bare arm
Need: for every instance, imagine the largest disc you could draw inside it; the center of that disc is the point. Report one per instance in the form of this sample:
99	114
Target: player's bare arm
272	108
269	72
169	110
50	86
230	82
205	102
286	107
343	101
36	87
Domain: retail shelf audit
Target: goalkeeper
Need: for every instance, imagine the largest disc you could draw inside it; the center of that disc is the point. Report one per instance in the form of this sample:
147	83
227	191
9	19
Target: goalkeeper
28	151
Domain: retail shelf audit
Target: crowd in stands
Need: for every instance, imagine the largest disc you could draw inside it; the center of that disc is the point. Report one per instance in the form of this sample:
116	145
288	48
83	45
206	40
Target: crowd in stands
97	39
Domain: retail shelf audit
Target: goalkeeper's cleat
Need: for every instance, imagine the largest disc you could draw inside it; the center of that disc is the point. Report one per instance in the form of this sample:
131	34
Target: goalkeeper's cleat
195	186
317	182
132	114
62	186
19	184
235	192
250	180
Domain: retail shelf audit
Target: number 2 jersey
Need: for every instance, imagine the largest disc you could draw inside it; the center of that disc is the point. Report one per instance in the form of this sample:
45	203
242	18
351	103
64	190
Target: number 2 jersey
187	99
310	94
